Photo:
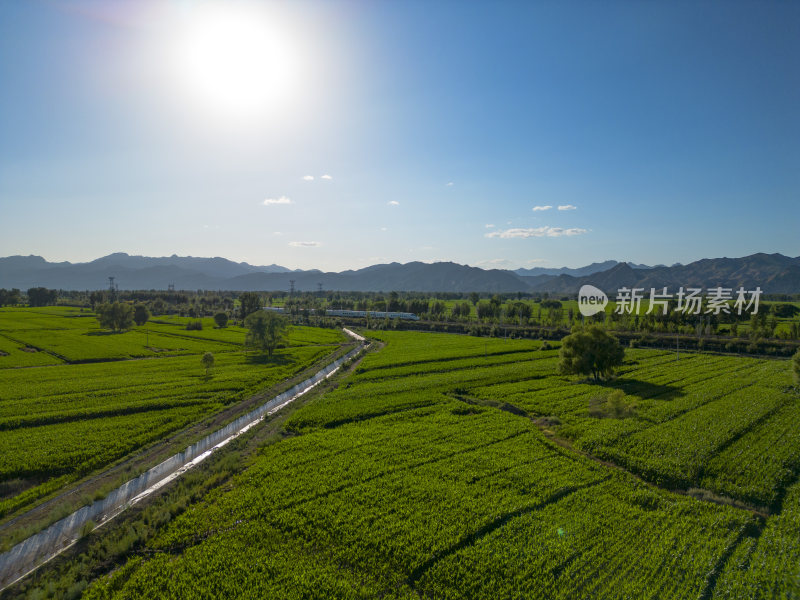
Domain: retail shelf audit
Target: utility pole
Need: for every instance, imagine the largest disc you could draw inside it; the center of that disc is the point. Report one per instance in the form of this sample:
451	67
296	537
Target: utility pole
291	288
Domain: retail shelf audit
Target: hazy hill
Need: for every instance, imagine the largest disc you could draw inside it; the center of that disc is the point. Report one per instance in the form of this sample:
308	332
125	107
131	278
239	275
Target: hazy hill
130	272
416	276
775	273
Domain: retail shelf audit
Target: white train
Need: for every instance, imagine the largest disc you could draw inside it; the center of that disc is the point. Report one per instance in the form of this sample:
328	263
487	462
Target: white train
375	314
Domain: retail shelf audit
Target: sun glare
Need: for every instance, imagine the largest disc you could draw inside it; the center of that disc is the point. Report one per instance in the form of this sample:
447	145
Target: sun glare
235	60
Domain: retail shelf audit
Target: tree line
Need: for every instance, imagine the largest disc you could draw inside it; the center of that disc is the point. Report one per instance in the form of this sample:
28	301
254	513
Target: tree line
517	309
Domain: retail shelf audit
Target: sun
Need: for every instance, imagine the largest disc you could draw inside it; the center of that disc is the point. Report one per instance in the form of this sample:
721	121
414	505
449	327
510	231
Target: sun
234	59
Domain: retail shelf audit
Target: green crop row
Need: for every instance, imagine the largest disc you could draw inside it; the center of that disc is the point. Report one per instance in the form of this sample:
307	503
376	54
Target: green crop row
767	565
79	338
448	500
413	347
14	354
406	481
761	463
59	421
68	420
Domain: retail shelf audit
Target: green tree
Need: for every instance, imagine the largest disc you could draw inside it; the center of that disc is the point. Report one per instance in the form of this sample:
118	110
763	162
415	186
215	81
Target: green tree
5	296
520	310
221	319
9	298
140	314
208	362
266	330
394	302
437	309
784	311
461	310
116	317
97	297
487	310
40	296
158	306
250	303
590	351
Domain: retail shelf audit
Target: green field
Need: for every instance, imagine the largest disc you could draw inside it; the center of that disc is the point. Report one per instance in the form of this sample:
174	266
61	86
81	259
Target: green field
456	467
86	398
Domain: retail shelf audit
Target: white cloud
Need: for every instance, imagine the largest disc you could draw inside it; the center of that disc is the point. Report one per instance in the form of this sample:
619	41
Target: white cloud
281	200
326	176
450	184
305	244
393	203
384	229
567	207
519	232
536	261
538	208
308	177
489	225
277	233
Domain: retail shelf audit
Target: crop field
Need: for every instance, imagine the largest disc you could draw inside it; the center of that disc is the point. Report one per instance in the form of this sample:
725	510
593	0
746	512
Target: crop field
456	467
70	335
60	421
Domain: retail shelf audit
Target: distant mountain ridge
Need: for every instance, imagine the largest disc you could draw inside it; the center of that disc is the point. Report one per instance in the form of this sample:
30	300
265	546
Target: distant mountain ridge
596	267
774	273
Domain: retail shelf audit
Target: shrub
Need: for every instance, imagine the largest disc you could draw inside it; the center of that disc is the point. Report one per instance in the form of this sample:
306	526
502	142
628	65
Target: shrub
87	528
615	406
208	362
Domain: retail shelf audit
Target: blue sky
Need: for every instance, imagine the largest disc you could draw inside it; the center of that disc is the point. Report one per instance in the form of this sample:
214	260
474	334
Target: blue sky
670	128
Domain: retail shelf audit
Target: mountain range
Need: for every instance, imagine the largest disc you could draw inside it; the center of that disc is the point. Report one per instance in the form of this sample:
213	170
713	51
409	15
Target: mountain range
774	273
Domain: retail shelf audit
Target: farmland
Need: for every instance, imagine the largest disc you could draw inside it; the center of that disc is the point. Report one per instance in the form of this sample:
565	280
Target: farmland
455	467
69	389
